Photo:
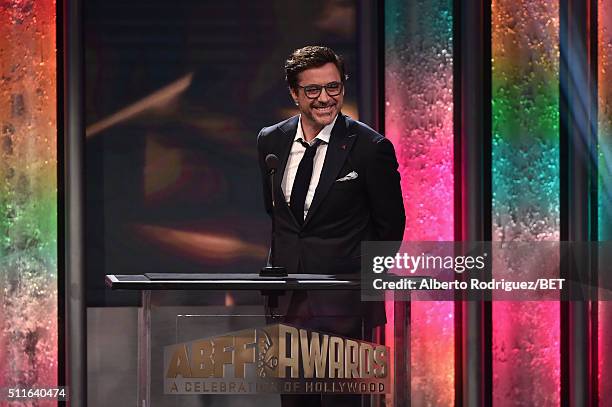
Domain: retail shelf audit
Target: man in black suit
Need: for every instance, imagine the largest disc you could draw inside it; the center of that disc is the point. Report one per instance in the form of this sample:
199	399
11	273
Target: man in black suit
337	185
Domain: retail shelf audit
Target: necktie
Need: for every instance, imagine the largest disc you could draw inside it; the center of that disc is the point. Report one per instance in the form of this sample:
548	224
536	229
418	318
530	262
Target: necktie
302	180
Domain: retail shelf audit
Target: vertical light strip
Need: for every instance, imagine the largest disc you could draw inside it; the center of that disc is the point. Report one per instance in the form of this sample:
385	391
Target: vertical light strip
605	186
419	122
28	195
526	335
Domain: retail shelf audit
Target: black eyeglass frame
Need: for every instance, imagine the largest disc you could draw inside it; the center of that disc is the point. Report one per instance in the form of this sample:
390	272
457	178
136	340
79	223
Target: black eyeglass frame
319	89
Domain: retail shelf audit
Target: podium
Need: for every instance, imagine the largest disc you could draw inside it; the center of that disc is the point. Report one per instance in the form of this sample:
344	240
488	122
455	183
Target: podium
193	353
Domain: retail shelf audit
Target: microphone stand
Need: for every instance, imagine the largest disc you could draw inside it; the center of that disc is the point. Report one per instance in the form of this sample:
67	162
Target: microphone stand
271	270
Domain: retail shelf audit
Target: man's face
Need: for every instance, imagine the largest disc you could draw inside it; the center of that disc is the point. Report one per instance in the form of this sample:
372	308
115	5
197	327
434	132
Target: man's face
321	110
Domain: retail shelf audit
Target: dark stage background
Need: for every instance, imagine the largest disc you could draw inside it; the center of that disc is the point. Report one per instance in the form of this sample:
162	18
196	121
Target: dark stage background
176	93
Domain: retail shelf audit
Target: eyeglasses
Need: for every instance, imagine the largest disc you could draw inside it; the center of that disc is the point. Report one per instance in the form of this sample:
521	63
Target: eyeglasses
314	91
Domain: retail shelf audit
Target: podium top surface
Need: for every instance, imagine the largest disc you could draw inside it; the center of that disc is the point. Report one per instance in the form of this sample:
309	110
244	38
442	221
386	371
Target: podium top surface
232	281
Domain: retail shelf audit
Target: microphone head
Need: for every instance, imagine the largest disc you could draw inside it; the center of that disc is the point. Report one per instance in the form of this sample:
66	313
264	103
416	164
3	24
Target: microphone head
272	162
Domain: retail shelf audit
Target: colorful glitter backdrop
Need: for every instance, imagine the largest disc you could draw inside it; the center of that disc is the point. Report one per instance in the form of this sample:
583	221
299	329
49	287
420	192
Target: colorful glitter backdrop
525	105
28	195
605	185
419	122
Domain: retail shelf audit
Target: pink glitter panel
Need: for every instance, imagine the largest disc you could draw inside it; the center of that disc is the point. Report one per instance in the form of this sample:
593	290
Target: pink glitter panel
605	187
28	197
526	361
419	122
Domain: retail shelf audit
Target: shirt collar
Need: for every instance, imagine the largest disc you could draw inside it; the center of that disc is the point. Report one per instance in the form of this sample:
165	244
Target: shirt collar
323	135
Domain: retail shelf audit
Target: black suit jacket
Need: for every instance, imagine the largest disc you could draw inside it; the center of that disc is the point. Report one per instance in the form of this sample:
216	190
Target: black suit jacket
341	215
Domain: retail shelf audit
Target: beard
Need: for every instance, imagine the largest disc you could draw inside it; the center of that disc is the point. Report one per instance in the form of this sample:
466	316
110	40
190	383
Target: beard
323	114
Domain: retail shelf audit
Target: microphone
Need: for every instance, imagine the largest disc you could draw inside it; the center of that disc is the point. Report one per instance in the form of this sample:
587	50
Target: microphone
272	163
271	270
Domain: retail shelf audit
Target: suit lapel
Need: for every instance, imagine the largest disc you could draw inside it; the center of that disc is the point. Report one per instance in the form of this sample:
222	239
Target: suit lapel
340	143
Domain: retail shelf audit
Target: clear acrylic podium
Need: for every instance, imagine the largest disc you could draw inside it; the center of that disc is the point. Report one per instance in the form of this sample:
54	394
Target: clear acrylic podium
176	317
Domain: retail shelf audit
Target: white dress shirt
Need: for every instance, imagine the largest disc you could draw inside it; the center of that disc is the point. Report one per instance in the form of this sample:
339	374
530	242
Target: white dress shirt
295	156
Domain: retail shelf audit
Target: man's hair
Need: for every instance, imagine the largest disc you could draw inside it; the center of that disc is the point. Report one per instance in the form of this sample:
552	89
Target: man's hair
311	56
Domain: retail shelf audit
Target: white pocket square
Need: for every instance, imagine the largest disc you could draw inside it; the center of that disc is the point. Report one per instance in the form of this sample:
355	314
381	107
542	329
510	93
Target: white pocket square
351	175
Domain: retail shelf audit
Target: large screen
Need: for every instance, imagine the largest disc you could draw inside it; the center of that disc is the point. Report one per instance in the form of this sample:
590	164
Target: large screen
176	93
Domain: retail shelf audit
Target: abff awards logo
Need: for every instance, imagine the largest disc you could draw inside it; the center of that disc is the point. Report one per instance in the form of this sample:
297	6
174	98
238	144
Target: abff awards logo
277	358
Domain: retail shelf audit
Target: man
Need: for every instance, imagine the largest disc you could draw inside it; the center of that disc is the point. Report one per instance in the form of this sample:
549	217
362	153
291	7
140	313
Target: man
337	185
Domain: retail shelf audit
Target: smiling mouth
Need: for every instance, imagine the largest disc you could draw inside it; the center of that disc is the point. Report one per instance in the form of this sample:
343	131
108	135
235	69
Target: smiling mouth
324	109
